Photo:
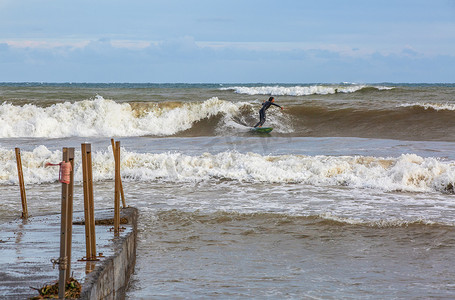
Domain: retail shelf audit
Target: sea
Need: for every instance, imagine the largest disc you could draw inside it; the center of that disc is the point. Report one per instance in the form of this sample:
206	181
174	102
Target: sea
351	196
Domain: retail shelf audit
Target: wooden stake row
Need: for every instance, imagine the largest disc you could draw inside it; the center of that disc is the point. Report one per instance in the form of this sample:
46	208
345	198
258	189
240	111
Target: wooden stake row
64	260
87	175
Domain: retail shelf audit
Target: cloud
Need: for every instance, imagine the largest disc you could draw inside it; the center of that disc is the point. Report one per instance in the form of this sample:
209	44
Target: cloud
186	60
183	47
408	51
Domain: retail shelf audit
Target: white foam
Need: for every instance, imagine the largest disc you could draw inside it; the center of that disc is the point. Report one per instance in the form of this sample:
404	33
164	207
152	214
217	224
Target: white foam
101	117
300	90
380	223
408	172
435	106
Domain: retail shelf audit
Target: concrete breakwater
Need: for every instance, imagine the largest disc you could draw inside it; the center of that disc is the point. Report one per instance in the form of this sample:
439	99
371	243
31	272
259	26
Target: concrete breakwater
27	247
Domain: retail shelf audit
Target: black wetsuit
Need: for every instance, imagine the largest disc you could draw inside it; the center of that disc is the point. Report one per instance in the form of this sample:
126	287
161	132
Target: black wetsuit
264	107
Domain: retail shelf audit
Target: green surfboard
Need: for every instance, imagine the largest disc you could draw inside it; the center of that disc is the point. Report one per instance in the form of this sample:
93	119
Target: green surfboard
262	129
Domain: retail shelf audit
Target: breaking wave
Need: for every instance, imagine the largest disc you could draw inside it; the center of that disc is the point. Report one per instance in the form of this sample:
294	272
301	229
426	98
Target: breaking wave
408	172
431	106
101	117
302	90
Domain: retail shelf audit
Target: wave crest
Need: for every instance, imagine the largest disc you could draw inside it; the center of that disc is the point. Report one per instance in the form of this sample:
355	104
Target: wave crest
409	172
301	90
430	106
100	117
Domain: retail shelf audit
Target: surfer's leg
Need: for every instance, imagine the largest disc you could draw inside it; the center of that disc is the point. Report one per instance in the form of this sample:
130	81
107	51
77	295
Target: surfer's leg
262	116
261	119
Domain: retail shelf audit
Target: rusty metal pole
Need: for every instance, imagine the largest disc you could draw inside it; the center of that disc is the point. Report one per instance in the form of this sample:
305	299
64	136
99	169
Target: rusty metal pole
121	183
69	224
117	189
88	239
21	183
63	260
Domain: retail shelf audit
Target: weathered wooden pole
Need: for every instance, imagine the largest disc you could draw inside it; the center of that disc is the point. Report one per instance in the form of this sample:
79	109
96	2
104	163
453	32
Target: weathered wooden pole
65	232
88	202
70	158
21	183
117	189
91	204
121	183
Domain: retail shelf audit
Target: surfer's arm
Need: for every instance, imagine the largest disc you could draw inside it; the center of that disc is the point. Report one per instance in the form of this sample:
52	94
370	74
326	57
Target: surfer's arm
277	105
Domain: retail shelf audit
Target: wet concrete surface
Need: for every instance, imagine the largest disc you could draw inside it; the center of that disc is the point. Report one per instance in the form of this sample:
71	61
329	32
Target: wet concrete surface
27	247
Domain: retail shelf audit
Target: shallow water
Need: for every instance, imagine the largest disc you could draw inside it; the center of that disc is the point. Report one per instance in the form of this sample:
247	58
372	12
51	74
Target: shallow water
193	255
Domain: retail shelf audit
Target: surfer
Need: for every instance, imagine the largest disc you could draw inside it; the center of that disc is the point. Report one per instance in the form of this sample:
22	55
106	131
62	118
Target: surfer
265	106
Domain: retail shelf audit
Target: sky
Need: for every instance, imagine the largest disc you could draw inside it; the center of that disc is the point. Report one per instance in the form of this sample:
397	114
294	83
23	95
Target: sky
235	41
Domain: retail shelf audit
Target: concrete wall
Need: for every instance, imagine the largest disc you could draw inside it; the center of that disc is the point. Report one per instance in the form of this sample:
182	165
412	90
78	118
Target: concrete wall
110	278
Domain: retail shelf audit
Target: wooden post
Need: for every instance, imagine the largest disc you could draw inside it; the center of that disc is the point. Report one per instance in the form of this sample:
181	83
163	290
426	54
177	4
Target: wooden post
70	158
21	183
88	239
121	183
117	189
88	202
91	204
64	260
